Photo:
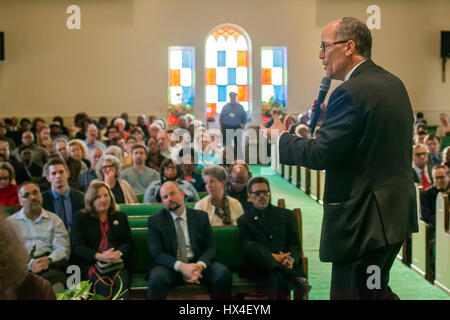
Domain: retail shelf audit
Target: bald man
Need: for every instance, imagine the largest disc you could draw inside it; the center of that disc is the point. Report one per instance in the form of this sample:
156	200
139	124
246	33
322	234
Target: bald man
237	183
191	260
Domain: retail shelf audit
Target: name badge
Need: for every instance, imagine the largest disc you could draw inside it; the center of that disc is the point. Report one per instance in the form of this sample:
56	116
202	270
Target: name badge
232	115
116	222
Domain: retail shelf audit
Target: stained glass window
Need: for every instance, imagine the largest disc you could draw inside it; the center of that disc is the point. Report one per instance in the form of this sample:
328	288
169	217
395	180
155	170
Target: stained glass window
274	76
227	69
181	81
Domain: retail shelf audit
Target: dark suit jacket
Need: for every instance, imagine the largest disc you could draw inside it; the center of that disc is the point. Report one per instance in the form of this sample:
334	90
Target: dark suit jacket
418	179
162	237
428	205
364	144
76	197
278	232
85	238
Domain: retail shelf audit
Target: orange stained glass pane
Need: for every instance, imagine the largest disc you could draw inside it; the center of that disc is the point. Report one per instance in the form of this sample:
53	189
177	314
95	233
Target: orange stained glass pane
215	35
266	75
175	77
210	76
211	110
242	58
242	93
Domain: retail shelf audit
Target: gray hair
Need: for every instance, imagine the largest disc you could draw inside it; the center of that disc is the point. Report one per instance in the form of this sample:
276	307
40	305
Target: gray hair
91	151
113	160
353	29
419	145
8	167
122	120
217	172
117	152
55	142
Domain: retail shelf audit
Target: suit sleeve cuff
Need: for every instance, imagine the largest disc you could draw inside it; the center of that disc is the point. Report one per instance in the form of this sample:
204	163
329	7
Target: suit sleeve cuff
176	266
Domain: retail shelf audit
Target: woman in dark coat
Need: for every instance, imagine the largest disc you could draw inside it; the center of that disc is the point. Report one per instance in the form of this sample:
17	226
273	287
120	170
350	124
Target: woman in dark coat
101	233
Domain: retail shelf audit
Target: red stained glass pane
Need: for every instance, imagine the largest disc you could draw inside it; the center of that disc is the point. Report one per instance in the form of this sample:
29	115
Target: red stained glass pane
210	110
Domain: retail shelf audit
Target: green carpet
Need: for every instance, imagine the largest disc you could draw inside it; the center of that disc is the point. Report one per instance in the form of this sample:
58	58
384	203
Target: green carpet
407	284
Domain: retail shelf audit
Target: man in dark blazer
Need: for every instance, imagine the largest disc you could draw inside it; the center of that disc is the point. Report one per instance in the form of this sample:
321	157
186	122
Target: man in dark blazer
270	240
61	199
422	165
364	144
182	245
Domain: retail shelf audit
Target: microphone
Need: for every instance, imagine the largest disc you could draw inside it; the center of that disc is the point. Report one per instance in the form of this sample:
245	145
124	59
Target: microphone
323	90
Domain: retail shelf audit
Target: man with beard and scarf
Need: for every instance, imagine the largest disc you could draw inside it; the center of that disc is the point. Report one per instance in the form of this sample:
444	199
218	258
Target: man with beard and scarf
44	235
192	259
170	171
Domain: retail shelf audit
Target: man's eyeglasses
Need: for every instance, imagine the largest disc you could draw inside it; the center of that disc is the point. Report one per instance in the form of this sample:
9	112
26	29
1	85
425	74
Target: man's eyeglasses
259	193
27	194
171	167
324	45
419	154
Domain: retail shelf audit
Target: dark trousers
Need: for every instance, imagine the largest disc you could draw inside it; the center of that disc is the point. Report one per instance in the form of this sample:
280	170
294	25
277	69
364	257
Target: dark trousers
352	280
261	265
216	276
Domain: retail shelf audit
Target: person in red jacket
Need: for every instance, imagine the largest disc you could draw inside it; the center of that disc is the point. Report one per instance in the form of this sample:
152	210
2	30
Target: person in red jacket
8	188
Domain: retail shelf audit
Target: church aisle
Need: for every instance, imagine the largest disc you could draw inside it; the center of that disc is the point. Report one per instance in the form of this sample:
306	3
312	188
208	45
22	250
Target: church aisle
405	282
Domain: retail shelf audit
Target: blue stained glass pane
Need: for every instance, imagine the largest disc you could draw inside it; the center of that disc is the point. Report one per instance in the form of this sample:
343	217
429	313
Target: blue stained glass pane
279	95
222	93
187	59
232	76
278	58
221	58
187	95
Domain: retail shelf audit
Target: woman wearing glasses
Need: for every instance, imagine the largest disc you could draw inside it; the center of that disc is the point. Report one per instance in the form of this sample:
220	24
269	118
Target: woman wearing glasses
222	209
108	171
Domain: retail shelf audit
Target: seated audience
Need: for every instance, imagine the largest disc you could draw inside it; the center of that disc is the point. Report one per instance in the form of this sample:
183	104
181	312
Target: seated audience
222	210
46	239
421	167
446	157
78	151
42	135
100	233
270	241
120	124
238	179
4	137
127	161
154	130
111	132
205	149
36	125
61	149
420	119
433	145
141	125
138	175
16	282
128	125
192	259
164	144
91	141
188	169
116	152
26	169
154	158
64	130
108	171
8	188
39	154
169	171
85	178
443	129
61	199
139	135
182	122
289	123
428	197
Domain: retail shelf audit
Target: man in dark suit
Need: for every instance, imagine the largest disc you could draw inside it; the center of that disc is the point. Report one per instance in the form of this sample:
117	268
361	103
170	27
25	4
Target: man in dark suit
182	244
422	167
364	144
270	240
428	197
61	199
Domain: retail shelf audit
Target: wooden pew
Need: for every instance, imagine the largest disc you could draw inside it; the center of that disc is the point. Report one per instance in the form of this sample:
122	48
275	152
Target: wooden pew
294	175
305	181
442	279
422	246
321	185
287	172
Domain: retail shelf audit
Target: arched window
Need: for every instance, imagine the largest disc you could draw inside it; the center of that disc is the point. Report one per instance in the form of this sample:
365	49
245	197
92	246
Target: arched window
227	68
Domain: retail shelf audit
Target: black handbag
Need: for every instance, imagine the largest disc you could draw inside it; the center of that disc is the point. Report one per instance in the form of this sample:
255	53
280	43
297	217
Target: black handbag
104	268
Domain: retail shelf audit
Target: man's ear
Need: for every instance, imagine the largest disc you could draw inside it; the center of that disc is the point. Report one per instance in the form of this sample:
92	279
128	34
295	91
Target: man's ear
48	179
